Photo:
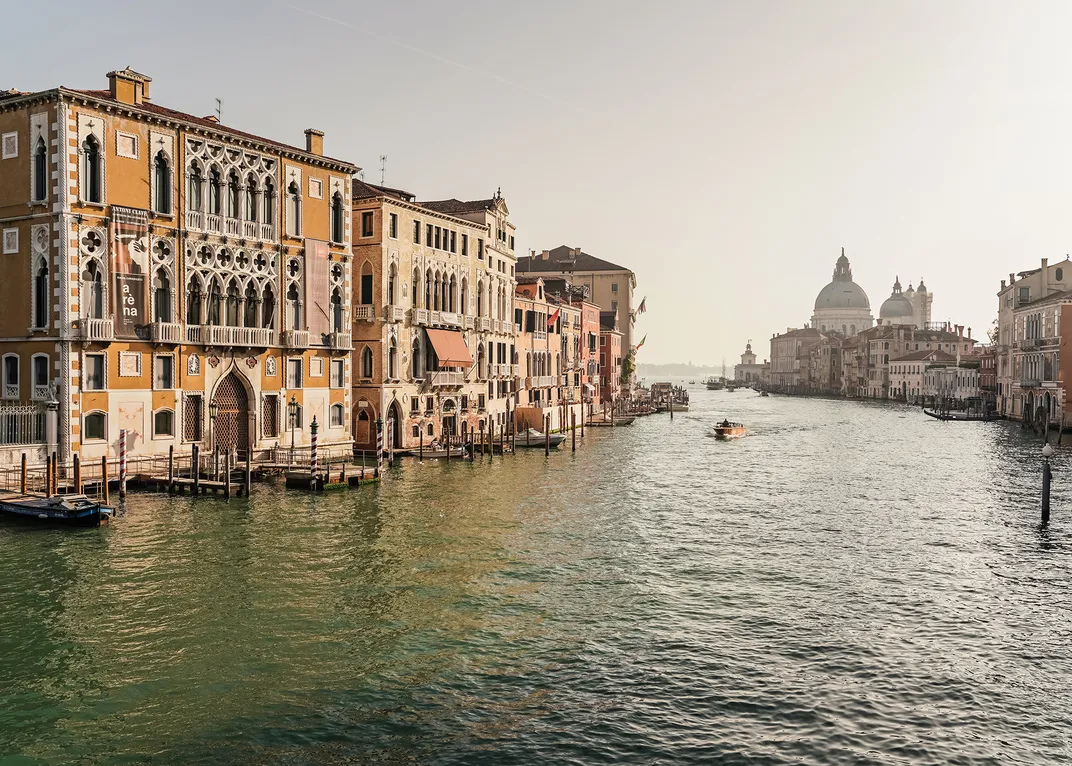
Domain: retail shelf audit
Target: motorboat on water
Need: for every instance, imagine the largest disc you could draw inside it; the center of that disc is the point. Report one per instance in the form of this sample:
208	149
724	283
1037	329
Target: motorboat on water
530	437
76	510
763	393
729	430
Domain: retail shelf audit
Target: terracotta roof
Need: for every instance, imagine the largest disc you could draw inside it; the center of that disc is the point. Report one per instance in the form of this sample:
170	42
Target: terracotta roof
579	261
931	354
362	190
172	114
456	206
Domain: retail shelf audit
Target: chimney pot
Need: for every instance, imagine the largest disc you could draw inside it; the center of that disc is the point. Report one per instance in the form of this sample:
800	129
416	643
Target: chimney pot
314	141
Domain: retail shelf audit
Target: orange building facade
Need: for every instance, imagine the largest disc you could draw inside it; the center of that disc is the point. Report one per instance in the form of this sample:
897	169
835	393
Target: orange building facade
169	276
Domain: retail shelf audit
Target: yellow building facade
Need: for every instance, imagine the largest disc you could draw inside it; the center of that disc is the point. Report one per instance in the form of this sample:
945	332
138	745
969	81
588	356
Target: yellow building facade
169	276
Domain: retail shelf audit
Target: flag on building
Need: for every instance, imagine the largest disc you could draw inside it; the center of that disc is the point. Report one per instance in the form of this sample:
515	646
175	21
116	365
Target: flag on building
551	319
641	342
642	307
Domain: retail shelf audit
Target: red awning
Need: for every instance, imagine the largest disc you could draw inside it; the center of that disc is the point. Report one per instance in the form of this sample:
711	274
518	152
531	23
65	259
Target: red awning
450	348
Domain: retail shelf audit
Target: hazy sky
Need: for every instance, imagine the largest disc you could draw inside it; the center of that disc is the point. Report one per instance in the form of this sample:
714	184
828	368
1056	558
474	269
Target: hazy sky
725	151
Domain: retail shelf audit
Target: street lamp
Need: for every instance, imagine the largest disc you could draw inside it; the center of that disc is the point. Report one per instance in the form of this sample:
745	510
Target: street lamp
292	412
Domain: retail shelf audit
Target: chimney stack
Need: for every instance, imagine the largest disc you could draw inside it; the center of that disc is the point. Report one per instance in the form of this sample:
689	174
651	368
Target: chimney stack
314	141
128	87
1012	278
1003	284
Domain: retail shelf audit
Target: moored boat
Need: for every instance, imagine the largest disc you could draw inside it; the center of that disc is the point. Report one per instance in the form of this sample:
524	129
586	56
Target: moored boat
530	437
729	430
763	393
76	510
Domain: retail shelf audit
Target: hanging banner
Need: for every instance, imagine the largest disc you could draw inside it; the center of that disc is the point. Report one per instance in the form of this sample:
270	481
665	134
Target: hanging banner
130	265
317	288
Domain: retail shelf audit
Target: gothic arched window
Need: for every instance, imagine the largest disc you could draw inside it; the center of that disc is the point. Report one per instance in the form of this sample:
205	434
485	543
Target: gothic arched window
91	170
336	217
162	296
40	172
195	182
293	210
161	184
41	296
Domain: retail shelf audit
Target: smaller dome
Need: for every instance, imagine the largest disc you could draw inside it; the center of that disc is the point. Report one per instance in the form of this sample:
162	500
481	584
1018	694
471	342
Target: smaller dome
922	287
897	306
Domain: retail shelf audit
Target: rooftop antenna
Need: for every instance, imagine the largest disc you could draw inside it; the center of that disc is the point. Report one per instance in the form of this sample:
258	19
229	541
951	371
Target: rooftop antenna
219	110
383	169
361	175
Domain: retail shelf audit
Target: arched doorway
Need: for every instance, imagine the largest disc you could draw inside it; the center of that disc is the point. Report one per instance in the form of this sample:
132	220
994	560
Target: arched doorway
395	417
231	428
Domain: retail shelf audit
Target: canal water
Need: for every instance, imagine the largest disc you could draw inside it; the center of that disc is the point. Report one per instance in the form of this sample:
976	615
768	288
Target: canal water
849	584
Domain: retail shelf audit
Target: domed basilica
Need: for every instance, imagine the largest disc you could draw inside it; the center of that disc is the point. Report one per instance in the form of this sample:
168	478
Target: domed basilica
842	305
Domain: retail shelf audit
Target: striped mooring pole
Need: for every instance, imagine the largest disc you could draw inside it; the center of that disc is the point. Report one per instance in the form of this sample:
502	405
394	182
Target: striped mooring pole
122	463
379	446
313	427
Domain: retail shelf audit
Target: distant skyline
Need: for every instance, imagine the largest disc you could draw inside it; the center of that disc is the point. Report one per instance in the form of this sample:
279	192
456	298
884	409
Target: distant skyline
725	151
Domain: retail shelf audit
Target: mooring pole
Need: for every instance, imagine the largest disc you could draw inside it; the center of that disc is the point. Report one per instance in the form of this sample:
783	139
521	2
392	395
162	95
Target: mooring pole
313	427
77	474
547	435
227	479
171	468
249	471
420	446
195	467
104	477
482	441
671	406
22	479
1047	452
122	463
573	427
48	475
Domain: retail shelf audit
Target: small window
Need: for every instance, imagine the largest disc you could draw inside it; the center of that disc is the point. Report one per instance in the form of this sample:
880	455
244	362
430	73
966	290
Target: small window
415	405
480	248
336	416
40	376
393	220
366	224
431	430
416	432
338	370
417	232
1060	274
93	426
366	363
316	188
11	376
465	244
294	373
40	172
164	423
93	380
164	377
337	218
296	417
614	287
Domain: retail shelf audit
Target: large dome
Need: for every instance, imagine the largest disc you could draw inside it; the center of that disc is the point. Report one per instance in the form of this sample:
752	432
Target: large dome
842	292
842	295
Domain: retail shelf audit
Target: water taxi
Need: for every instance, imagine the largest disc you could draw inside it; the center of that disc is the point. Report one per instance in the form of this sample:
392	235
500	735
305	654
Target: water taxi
728	430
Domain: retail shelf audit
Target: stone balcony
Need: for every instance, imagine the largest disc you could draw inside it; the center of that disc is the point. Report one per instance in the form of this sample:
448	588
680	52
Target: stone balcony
394	314
365	313
419	316
238	337
484	324
340	341
468	322
97	329
296	338
167	332
445	379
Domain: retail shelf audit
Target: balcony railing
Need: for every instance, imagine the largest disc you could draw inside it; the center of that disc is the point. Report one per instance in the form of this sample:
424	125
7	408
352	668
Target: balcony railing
468	322
193	334
296	338
485	324
167	332
340	341
493	371
98	329
194	219
364	312
440	379
515	370
267	231
1029	383
1029	344
419	316
394	314
212	223
434	318
245	337
232	226
450	319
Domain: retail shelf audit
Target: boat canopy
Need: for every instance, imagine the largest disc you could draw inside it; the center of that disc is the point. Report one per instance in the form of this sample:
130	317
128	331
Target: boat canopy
450	348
